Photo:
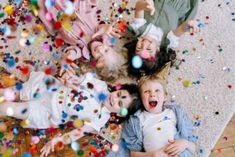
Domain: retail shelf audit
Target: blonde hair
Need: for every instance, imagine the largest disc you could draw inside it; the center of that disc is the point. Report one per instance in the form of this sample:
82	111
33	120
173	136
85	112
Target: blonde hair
145	79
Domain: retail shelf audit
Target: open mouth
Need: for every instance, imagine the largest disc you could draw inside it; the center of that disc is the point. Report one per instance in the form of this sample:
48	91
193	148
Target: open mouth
153	104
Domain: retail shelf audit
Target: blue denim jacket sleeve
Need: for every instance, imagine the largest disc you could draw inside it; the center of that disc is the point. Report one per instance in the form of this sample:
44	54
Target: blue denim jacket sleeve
132	134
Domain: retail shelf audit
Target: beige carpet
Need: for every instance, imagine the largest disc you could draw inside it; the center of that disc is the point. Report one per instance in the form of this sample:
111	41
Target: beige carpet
208	65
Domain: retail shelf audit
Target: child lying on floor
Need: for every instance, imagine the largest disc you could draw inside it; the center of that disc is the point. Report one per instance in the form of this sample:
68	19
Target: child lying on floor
158	130
81	29
158	24
45	102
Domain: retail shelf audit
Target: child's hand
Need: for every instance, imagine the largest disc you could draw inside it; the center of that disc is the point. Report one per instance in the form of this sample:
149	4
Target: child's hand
146	5
176	147
50	146
187	26
109	30
70	80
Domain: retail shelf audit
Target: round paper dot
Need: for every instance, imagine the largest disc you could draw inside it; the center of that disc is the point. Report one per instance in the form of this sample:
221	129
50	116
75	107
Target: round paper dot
24	123
9	94
77	123
26	154
137	62
2	99
9	9
10	111
75	146
69	8
115	148
6	30
19	86
35	139
49	16
123	112
11	62
187	83
22	42
25	33
49	3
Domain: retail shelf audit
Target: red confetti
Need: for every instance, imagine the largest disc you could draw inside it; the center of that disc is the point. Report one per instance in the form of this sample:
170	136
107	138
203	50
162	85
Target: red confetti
57	25
33	150
59	145
24	70
59	42
48	71
229	86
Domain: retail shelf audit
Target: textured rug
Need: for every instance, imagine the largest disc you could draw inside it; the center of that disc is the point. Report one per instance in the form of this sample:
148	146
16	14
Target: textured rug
203	80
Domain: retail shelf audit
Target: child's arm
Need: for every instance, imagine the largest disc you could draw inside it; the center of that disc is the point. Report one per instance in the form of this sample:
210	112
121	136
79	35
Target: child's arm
71	80
176	147
107	29
65	139
158	153
141	6
187	26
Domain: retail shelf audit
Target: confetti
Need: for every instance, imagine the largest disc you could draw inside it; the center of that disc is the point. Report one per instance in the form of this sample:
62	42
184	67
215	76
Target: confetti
9	94
10	111
123	112
187	83
35	139
75	146
9	9
137	62
77	123
115	148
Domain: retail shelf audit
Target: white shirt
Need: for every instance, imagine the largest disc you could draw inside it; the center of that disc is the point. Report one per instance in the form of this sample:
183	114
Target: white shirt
85	104
155	32
157	129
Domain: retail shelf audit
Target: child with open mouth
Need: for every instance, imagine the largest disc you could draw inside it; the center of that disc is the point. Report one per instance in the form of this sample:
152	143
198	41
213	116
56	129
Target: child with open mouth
158	129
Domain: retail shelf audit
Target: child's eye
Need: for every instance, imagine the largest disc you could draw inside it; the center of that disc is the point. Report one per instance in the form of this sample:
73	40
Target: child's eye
147	91
157	90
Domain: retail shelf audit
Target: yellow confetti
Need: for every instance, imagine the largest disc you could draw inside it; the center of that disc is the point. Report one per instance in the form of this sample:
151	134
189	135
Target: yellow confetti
78	123
25	33
67	26
187	83
197	117
24	123
8	153
9	10
34	9
2	99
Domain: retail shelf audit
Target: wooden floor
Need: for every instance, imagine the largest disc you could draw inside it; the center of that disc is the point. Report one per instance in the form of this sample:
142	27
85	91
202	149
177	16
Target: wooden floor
225	147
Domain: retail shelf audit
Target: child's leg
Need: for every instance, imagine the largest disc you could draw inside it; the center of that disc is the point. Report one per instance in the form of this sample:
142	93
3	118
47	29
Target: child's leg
17	93
20	109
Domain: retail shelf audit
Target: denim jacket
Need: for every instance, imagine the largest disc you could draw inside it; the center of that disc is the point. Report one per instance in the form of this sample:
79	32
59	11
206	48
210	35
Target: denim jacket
132	135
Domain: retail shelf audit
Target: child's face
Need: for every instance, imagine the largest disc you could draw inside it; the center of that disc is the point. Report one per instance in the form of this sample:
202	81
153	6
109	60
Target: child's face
99	51
146	47
153	96
117	100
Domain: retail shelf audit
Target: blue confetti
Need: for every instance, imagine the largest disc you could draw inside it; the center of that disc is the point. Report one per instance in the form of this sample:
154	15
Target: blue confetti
19	86
26	154
137	62
102	97
11	62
